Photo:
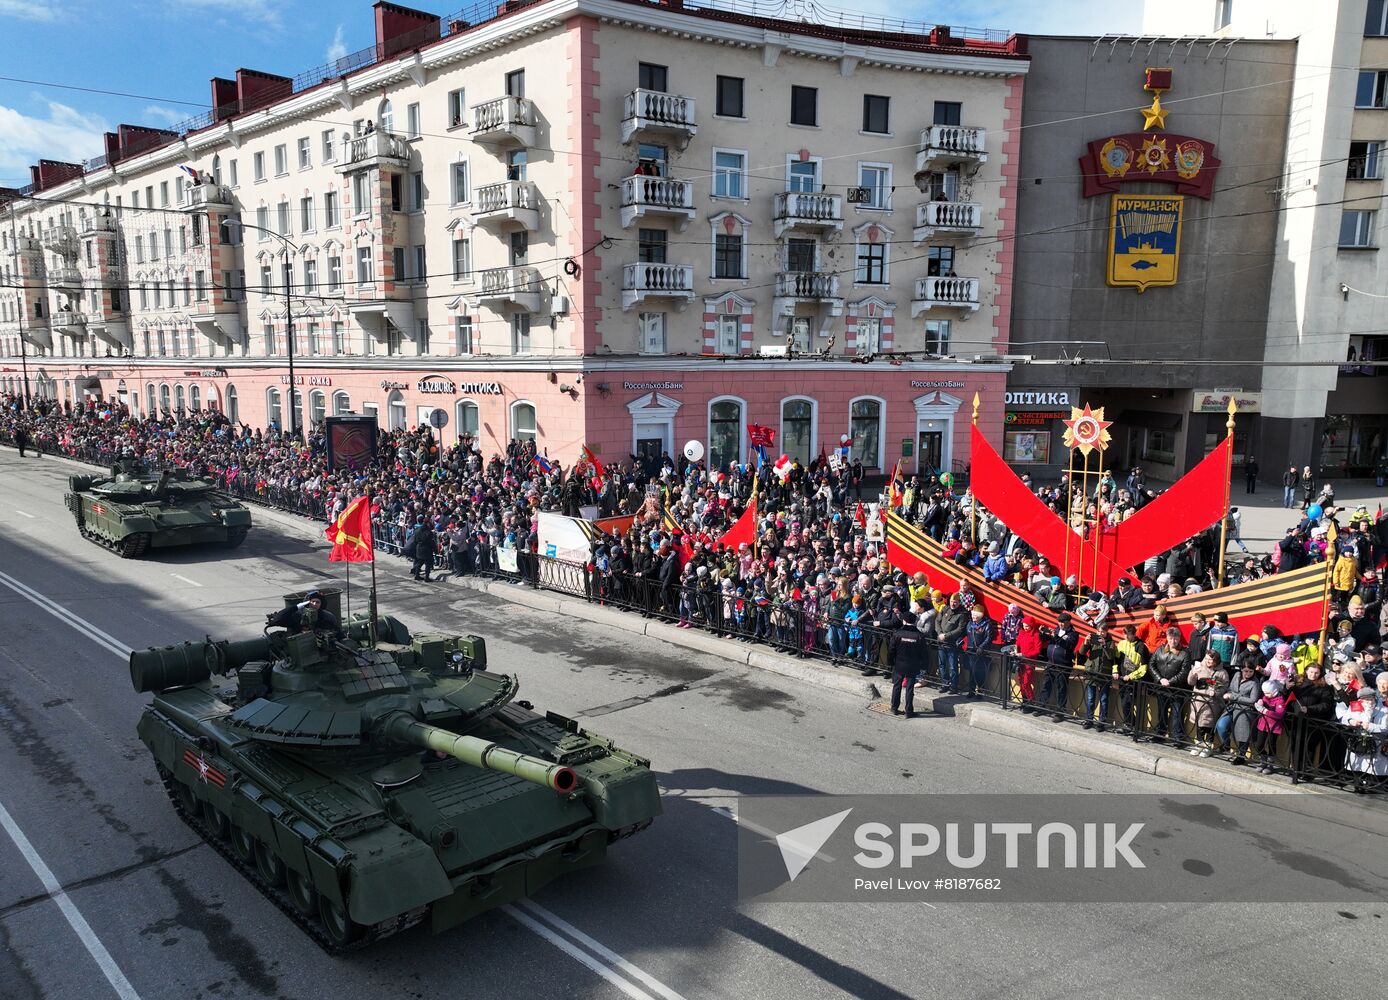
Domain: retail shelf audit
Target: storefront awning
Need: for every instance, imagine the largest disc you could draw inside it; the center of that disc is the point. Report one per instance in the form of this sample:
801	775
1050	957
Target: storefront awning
1156	420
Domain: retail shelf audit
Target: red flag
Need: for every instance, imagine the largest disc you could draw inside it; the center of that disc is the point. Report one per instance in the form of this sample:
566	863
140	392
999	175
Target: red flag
894	493
598	469
859	516
744	530
351	534
760	436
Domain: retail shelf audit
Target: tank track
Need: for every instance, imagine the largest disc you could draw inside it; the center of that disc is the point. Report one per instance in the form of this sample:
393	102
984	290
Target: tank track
279	896
141	544
235	536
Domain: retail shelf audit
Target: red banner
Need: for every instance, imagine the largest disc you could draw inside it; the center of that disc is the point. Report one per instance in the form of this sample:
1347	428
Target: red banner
351	533
1182	160
744	530
761	436
1191	505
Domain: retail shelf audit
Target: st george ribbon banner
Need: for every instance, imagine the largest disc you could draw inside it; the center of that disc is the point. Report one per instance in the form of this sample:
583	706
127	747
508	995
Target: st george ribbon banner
942	849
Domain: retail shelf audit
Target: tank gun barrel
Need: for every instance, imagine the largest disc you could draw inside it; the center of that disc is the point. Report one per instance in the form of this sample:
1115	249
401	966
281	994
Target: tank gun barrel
403	728
157	669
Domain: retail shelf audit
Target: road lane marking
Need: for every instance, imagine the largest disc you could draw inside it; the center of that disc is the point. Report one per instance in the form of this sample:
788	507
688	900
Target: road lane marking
25	513
603	961
74	917
192	583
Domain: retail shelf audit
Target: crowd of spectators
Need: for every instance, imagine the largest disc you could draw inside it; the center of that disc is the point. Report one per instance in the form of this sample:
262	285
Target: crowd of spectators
813	578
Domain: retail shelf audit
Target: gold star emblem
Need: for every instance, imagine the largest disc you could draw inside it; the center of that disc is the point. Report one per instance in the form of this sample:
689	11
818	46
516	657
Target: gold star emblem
1155	116
1087	429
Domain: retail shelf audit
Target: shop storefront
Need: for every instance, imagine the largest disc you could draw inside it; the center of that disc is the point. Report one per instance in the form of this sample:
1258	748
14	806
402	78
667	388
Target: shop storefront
1354	438
1032	430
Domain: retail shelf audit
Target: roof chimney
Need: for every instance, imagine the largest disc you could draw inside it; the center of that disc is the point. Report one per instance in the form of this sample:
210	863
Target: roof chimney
136	139
399	29
51	173
255	89
224	98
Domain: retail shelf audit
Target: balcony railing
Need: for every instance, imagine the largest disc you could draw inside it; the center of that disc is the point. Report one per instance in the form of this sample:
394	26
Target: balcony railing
64	278
813	285
508	201
98	224
664	196
807	210
69	321
945	293
60	239
201	196
506	121
516	286
945	144
644	281
372	150
947	217
651	112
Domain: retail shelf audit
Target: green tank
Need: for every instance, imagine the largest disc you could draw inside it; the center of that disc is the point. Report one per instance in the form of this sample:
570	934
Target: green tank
131	511
367	785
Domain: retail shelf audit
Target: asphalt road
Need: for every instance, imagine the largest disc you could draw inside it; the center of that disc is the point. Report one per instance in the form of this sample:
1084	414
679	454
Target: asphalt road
104	893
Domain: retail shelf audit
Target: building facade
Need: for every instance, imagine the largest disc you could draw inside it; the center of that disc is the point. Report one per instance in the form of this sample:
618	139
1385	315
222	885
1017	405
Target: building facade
617	223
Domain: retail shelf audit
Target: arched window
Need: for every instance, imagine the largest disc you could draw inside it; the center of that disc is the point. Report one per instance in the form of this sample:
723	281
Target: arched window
523	427
216	170
797	428
178	398
150	404
341	403
233	407
387	116
865	427
273	415
395	411
726	419
165	400
296	412
317	407
195	397
466	418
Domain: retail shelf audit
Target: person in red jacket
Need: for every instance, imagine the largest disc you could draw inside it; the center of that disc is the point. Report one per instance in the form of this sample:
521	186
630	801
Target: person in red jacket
1029	651
1152	632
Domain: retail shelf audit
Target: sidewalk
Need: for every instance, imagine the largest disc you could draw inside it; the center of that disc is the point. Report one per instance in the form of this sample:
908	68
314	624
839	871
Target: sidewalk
1265	521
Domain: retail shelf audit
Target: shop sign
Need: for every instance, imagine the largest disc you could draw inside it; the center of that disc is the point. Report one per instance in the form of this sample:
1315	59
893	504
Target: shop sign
1039	397
208	373
647	386
1217	401
439	384
1034	416
325	380
940	384
388	385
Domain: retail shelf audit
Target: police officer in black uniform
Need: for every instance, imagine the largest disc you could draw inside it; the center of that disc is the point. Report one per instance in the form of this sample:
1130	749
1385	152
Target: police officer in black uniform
310	616
907	664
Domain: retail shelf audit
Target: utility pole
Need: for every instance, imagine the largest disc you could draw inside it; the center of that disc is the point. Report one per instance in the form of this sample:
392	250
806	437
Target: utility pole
23	352
289	323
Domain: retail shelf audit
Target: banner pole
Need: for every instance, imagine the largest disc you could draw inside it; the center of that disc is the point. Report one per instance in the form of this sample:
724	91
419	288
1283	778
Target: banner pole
1098	524
1325	591
349	589
1228	488
373	606
973	495
1068	514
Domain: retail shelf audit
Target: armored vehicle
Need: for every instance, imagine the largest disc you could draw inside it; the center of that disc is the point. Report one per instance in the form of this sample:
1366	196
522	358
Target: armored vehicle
131	511
367	784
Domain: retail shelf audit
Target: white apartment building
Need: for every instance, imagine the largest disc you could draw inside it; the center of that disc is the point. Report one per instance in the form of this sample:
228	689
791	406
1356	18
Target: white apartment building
621	223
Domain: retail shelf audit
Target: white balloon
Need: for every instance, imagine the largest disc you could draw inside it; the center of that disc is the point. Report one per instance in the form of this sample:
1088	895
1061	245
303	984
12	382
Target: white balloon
693	450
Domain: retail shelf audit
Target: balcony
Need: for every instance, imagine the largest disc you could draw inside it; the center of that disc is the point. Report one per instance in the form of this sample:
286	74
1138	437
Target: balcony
98	224
945	293
516	287
35	332
200	197
505	123
70	322
375	149
657	281
657	197
806	212
60	239
651	114
932	217
947	145
508	202
65	279
115	332
819	288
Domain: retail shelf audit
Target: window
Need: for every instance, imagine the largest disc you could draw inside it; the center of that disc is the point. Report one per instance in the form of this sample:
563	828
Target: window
724	433
1376	18
360	186
651	327
1224	13
306	214
462	333
339	347
412	121
937	336
364	265
397	192
457	107
520	333
266	276
164	194
421	272
1365	161
523	421
515	83
231	173
387	116
462	260
520	248
259	161
417	191
877	178
802	175
328	150
262	222
729	334
305	154
269	334
334	273
943	185
281	160
869	335
316	406
460	183
871	264
652	77
797	429
231	230
948	112
800	255
139	249
235	284
272	407
200	285
1357	228
168	244
727	256
397	260
651	246
314	347
801	332
468	420
1159	446
940	262
865	428
875	113
197	232
516	160
286	226
804	103
729	169
179	395
310	276
729	102
330	219
1372	91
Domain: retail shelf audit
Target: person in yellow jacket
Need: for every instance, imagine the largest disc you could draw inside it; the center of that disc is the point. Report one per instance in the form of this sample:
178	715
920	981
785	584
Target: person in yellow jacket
1129	670
1344	576
920	589
1303	655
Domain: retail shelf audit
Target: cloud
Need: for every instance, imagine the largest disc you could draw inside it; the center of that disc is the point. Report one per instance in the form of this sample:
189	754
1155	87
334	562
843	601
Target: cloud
262	13
336	50
65	134
166	115
31	10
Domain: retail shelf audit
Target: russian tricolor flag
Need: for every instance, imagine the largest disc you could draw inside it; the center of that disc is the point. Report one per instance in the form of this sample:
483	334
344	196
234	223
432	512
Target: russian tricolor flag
544	464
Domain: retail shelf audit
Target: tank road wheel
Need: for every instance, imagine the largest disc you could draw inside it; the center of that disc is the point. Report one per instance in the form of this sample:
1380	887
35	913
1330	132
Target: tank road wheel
235	536
340	928
134	545
268	864
242	845
218	824
187	801
302	893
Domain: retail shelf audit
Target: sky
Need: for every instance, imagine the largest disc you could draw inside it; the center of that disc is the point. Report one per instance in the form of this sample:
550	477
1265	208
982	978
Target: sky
160	54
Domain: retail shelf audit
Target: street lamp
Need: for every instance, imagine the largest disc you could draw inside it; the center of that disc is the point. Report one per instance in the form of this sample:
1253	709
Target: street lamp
288	315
